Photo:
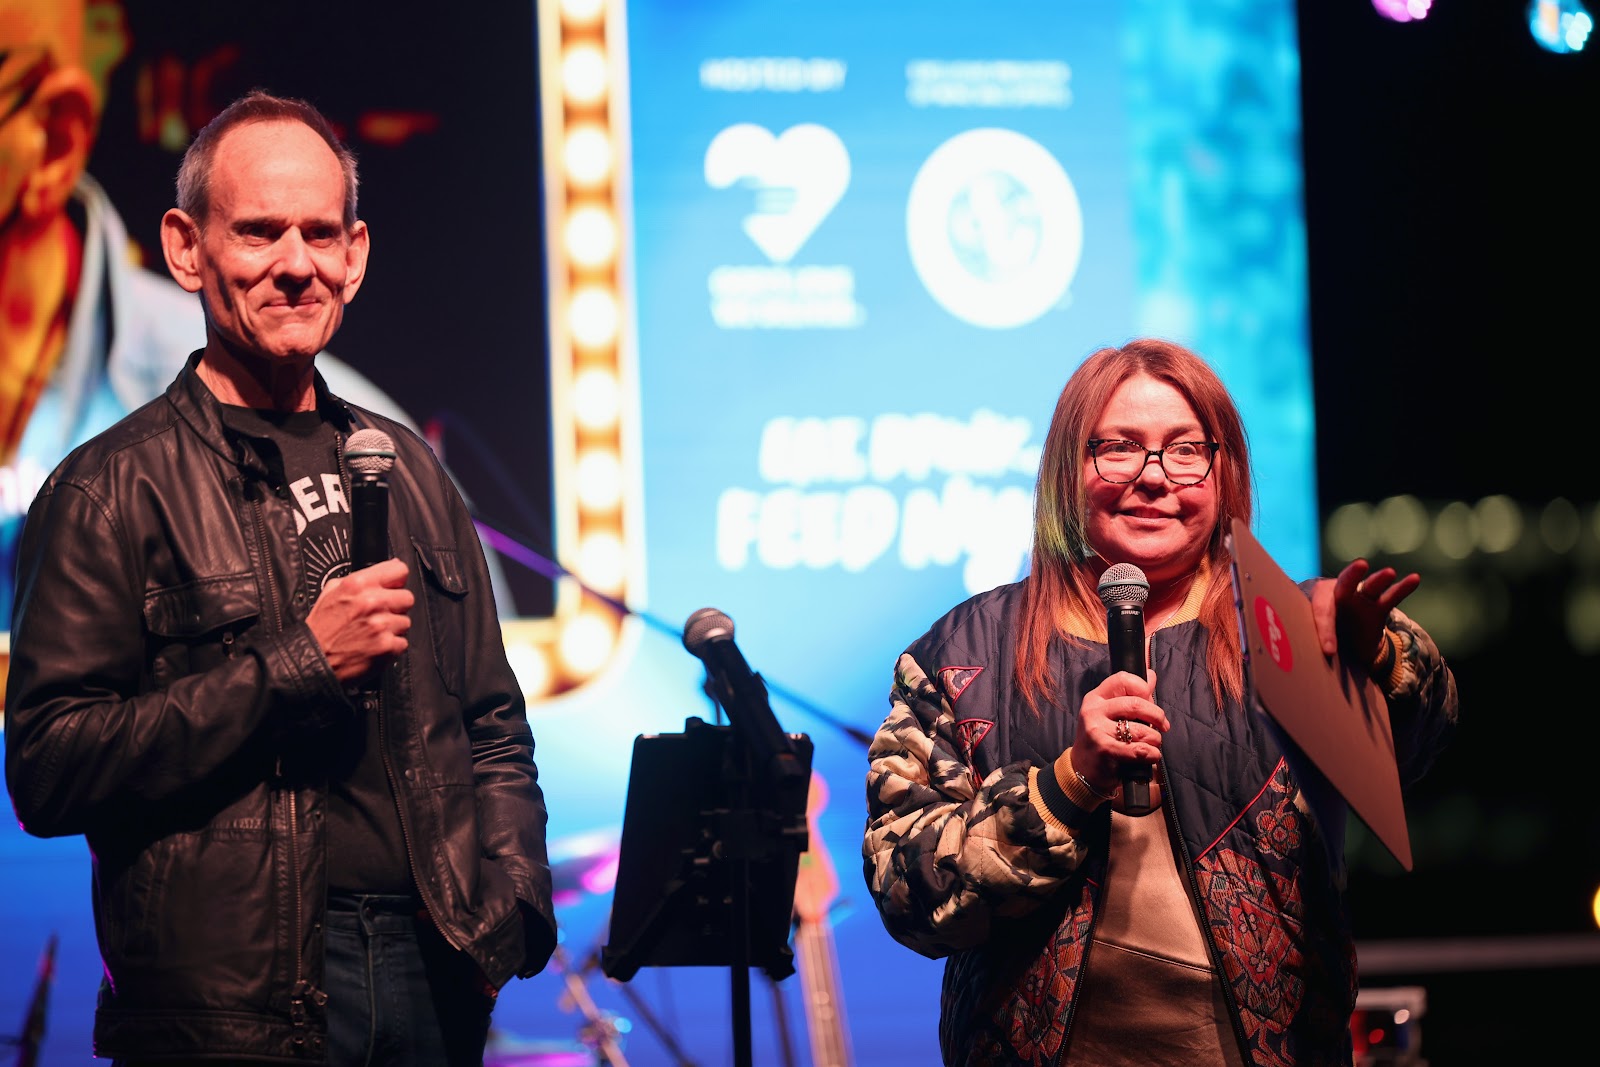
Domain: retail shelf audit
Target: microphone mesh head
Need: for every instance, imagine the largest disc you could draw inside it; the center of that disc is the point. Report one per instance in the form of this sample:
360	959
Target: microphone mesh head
1123	583
703	627
369	452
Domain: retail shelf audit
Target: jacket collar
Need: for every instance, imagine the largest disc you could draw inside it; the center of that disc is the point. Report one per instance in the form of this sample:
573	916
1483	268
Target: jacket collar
1090	624
198	406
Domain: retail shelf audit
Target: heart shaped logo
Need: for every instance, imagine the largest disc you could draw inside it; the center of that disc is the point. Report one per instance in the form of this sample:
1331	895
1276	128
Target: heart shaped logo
797	178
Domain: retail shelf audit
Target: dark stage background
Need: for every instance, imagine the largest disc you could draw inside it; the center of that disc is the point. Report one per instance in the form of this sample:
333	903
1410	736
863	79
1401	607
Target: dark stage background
1451	249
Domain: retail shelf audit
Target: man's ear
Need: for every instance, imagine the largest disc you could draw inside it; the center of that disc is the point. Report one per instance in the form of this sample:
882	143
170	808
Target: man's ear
65	109
355	259
180	244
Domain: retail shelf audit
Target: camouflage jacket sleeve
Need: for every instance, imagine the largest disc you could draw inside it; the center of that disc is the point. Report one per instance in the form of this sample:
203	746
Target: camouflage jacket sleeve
1423	703
945	854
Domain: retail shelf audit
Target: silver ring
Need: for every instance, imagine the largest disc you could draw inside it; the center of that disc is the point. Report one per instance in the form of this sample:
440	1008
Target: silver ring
1124	731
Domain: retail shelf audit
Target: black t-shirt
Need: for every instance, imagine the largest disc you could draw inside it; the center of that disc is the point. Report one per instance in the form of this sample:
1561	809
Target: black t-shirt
366	849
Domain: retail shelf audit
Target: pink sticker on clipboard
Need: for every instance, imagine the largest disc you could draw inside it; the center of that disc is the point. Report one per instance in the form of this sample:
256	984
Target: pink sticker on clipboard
1273	634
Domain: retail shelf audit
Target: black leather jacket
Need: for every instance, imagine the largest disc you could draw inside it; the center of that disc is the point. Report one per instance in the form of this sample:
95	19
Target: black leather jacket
167	699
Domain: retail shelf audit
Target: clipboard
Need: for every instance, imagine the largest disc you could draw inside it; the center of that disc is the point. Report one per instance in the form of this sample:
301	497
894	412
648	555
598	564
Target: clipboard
1330	710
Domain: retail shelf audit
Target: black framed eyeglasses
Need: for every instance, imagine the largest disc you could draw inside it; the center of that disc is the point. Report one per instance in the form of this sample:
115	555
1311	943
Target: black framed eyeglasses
1183	462
27	80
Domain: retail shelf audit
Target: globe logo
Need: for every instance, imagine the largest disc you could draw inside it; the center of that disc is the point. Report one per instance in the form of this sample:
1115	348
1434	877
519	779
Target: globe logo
994	228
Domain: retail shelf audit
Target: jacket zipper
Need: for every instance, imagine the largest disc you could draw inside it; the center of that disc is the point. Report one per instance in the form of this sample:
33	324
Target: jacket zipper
376	706
373	703
301	987
1169	811
1186	865
1083	969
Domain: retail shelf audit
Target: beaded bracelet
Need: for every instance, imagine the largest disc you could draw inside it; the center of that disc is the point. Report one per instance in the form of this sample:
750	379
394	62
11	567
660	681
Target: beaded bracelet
1074	786
1102	797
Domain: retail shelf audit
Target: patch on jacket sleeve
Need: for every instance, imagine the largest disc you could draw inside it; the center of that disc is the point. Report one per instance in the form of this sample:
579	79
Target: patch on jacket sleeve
969	735
954	680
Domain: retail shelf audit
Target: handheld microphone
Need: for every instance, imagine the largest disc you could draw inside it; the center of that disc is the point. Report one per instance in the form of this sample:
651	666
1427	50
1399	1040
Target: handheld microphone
739	691
369	456
1124	590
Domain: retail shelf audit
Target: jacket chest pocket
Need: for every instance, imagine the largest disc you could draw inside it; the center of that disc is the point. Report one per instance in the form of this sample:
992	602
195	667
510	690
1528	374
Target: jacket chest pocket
195	626
444	593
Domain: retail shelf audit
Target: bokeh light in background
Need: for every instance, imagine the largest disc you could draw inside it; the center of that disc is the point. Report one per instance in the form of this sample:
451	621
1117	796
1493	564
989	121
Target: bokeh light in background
1560	26
1403	10
1472	553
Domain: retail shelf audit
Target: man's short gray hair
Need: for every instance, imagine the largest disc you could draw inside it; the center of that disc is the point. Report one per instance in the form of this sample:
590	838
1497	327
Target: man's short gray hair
194	173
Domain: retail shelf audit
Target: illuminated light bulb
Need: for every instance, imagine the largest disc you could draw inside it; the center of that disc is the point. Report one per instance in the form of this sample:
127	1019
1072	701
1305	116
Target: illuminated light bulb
1455	529
586	641
602	563
532	668
587	155
599	477
583	74
596	399
591	237
1583	619
1560	526
1595	907
1499	523
581	12
1402	10
1351	531
1402	523
1560	26
593	316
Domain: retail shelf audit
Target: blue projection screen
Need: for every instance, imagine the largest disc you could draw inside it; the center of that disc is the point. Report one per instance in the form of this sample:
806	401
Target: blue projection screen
863	248
859	249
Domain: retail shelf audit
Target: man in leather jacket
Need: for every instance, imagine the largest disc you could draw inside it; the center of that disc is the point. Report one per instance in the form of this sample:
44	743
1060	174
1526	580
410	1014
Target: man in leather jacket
309	792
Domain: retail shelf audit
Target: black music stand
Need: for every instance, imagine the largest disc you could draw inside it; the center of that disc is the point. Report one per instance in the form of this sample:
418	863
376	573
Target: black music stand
711	843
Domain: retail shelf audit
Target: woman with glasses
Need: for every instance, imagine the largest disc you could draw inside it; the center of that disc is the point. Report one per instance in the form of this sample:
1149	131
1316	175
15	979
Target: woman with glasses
1206	926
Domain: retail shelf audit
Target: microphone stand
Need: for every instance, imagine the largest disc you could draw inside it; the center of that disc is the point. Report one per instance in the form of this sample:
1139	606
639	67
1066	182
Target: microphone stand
603	1030
641	1008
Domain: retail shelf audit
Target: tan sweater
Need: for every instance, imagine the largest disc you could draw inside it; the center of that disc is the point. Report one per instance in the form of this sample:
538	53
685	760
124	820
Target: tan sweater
1150	994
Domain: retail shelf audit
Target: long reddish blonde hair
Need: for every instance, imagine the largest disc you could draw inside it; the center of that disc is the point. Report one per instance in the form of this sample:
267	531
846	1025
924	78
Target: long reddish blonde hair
1063	576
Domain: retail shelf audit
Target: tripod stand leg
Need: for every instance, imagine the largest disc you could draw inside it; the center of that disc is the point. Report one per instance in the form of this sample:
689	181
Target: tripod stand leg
780	1012
679	1057
741	964
603	1029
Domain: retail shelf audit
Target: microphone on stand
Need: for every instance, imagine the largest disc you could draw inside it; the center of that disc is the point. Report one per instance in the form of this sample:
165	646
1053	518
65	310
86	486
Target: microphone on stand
741	693
1123	590
369	456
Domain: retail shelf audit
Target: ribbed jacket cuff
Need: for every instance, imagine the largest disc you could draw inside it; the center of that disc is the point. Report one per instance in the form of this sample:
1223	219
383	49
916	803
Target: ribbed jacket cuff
1063	804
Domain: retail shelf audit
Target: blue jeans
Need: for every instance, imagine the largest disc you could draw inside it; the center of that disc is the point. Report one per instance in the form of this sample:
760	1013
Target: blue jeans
398	994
